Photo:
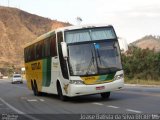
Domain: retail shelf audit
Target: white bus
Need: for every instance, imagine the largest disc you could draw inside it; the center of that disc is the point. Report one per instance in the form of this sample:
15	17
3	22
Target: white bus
75	61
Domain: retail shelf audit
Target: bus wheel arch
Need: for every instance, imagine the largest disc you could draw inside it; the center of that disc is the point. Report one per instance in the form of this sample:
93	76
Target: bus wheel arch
32	86
59	91
35	88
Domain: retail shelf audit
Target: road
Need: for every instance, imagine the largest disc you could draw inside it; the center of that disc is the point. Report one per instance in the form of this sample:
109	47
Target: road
17	101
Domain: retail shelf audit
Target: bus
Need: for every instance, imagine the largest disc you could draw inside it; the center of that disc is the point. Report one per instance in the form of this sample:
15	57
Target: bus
75	61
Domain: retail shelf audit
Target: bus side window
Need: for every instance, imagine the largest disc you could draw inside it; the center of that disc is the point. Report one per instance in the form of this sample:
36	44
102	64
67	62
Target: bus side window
33	52
29	53
53	46
38	50
63	63
47	43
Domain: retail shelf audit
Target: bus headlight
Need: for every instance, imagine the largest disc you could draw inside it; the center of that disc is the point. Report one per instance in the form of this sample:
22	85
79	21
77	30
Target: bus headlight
79	82
117	77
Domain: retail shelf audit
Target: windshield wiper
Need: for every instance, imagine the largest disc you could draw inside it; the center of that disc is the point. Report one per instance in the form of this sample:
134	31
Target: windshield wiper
99	57
90	63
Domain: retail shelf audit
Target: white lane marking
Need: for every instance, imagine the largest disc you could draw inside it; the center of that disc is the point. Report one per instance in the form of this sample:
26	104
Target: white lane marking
17	111
42	100
95	103
11	107
135	111
111	106
32	100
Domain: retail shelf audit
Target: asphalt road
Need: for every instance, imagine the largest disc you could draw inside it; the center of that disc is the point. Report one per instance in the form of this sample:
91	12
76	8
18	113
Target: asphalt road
17	102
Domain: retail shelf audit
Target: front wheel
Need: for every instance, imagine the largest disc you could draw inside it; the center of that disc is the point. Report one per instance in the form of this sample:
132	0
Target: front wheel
60	94
105	95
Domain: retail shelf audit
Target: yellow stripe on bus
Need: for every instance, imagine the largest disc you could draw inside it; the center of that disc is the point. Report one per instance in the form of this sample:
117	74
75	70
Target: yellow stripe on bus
34	72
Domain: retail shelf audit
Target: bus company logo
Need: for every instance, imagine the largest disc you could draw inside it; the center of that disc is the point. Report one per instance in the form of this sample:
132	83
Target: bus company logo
36	66
66	88
90	78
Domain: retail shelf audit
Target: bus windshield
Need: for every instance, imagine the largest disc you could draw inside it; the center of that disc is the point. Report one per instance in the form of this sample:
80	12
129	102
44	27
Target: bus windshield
97	57
89	34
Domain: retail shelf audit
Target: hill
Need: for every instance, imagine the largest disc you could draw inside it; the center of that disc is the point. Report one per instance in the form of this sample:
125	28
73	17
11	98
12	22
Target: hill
149	41
17	28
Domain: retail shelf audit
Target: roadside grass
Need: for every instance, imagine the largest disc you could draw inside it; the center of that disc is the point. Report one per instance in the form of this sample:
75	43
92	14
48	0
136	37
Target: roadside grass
142	82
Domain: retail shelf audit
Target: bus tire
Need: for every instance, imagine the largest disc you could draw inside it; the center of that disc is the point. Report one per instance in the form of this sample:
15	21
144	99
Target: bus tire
35	90
60	94
105	95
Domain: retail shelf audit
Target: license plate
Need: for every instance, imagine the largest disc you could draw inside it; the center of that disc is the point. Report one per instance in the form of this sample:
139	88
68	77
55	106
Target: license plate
100	88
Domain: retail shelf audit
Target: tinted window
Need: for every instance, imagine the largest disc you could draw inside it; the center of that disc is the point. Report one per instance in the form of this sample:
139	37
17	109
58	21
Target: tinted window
25	54
17	76
38	50
47	44
30	53
42	49
53	46
62	61
95	58
89	34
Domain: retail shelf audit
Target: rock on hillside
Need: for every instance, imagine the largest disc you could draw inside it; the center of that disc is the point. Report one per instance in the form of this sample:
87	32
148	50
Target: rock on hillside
17	28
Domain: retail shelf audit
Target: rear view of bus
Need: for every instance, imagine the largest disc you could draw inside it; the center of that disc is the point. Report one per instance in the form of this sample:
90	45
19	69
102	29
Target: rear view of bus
93	59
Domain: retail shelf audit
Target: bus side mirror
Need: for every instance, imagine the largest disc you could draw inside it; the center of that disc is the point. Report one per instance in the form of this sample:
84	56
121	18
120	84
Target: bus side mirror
64	50
123	44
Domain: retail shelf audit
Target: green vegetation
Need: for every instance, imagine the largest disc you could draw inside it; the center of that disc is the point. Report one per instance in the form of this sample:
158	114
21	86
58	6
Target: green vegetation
141	66
142	82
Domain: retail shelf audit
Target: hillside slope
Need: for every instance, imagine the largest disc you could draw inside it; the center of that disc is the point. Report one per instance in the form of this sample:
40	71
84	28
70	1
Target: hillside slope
17	28
151	42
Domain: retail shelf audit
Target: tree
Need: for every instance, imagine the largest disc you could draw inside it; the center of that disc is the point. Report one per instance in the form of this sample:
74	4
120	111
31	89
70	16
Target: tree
141	64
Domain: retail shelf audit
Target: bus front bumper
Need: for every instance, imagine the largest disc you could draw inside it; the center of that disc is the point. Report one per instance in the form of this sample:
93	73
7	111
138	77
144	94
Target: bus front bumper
78	90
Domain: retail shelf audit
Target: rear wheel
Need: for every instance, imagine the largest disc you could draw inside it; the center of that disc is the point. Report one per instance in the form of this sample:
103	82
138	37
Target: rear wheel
32	85
105	95
35	88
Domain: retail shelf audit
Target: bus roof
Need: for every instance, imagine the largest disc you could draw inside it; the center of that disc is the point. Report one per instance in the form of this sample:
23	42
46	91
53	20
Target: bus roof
50	33
81	27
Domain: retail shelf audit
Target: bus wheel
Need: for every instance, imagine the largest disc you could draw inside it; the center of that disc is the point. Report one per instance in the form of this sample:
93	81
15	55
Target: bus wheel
60	94
105	95
35	89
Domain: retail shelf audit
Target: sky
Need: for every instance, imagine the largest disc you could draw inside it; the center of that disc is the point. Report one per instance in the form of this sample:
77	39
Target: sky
132	19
